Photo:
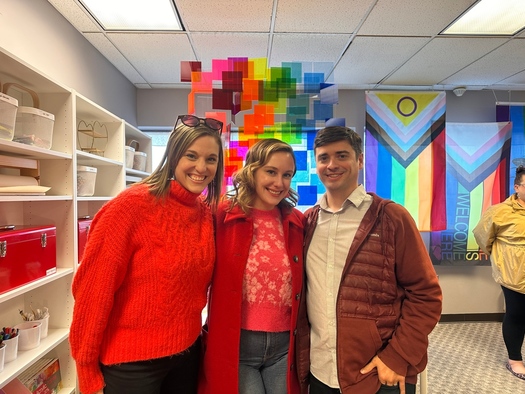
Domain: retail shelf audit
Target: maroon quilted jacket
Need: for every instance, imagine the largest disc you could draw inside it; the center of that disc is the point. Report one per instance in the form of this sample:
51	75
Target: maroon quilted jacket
389	300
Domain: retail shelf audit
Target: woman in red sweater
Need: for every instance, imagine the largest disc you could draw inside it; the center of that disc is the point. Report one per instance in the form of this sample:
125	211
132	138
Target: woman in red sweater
142	284
257	277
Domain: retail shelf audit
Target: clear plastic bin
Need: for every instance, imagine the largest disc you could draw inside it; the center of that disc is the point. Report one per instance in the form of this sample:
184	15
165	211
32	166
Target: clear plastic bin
34	127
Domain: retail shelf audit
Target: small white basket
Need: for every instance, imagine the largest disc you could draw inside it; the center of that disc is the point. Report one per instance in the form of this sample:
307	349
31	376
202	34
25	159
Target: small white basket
129	156
29	335
139	161
8	107
86	177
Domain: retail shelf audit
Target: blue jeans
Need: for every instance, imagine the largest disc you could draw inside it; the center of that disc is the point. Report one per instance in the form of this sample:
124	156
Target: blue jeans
263	362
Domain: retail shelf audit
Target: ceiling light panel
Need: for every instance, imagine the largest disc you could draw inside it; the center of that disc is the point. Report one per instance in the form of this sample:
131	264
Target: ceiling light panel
491	17
136	15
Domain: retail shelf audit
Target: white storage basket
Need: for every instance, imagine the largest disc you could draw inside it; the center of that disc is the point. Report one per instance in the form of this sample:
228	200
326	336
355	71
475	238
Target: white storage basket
139	161
130	154
86	177
8	107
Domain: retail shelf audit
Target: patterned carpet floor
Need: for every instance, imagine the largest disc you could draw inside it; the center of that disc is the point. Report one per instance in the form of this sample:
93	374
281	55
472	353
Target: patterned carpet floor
469	358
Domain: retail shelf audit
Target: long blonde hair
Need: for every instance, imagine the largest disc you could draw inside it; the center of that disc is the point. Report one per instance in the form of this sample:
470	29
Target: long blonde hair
243	193
179	141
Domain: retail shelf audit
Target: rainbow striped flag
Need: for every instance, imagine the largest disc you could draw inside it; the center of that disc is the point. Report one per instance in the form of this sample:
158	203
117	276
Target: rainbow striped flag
477	177
405	153
516	115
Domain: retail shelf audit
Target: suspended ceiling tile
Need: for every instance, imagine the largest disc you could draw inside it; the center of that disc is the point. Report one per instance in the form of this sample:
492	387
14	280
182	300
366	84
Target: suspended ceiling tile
76	15
500	64
429	66
226	15
209	46
369	60
307	48
339	16
156	56
226	28
516	79
412	17
104	46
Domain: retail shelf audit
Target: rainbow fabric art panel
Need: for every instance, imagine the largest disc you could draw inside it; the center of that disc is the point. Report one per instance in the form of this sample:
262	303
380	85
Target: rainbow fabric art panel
405	152
255	101
477	177
516	115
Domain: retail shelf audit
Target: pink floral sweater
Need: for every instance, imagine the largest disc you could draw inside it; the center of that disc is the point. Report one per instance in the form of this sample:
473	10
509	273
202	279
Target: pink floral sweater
267	284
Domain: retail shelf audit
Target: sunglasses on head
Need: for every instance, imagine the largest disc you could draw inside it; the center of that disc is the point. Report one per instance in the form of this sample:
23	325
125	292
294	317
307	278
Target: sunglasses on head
194	121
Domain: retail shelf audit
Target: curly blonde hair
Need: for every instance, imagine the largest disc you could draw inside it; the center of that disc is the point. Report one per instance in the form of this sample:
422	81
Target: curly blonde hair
243	193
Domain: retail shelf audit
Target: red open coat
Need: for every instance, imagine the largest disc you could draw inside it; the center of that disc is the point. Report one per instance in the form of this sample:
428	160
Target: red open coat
234	232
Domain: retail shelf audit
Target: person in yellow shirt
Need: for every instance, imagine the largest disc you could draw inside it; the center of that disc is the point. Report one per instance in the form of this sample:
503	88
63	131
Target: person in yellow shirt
500	233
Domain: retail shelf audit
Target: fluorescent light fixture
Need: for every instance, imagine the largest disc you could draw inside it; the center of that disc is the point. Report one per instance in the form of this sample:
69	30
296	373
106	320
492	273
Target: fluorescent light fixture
511	103
134	14
490	17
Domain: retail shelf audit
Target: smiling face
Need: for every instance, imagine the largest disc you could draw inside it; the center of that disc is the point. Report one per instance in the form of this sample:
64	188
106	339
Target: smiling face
519	188
272	180
338	168
198	165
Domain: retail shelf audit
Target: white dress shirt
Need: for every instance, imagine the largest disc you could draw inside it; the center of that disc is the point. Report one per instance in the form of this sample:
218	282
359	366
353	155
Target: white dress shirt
325	261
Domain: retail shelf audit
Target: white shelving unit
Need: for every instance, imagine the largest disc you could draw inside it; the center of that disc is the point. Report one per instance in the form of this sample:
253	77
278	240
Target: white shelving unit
60	206
144	141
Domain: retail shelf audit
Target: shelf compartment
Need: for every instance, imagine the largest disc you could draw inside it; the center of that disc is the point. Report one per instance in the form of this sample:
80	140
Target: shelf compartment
28	357
61	272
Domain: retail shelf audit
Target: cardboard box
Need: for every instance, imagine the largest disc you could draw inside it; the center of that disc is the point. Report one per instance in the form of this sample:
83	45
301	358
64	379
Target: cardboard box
27	253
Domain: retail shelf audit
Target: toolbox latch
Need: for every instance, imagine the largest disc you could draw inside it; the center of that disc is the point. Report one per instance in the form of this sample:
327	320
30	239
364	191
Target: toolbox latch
43	240
3	248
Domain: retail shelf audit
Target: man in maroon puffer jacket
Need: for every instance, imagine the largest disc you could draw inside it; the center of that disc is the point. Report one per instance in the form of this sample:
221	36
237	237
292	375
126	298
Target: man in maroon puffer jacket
372	296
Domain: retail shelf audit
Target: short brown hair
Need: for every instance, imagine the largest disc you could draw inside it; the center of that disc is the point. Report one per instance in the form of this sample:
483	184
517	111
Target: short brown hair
332	134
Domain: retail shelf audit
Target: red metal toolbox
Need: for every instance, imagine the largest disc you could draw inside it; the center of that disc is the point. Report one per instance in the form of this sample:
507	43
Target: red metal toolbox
27	253
83	230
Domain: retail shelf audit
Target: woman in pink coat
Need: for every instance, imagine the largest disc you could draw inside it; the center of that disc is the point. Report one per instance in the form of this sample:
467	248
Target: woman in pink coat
254	295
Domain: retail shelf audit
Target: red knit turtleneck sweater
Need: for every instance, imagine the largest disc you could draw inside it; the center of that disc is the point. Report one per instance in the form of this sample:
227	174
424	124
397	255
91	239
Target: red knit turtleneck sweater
142	284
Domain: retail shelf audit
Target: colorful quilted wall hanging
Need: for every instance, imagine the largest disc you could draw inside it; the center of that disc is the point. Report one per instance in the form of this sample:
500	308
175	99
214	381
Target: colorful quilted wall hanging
516	115
290	103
